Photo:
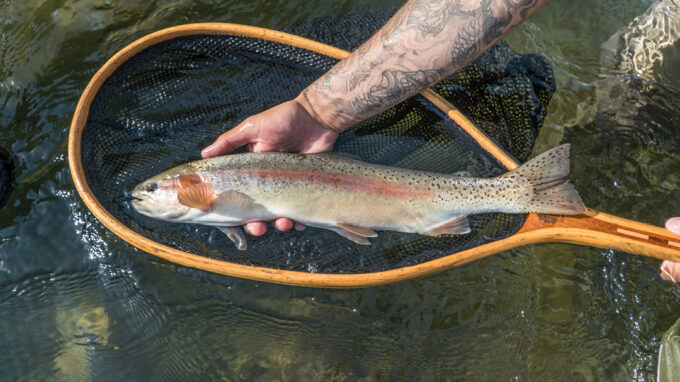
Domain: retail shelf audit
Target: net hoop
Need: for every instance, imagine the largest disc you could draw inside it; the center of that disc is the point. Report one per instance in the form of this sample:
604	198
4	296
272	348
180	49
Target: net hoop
526	235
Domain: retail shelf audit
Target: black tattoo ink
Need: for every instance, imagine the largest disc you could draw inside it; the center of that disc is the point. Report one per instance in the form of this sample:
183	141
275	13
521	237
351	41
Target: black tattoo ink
444	35
394	86
355	79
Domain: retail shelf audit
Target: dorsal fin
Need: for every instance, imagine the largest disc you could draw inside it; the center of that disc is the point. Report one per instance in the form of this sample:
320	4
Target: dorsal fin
200	196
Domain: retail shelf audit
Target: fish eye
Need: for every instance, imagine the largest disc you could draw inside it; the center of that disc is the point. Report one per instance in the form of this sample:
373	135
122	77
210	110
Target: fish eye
151	187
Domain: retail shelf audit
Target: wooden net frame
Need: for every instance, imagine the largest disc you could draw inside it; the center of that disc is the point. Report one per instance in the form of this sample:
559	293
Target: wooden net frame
592	228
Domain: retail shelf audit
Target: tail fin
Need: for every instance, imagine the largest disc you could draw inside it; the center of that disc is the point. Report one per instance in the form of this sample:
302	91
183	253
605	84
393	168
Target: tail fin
549	189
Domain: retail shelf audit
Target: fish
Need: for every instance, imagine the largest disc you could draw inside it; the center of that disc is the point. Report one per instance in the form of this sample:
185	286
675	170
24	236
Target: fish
351	197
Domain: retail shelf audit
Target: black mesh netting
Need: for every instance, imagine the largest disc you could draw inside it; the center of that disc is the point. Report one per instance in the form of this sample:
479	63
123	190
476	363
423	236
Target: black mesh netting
161	107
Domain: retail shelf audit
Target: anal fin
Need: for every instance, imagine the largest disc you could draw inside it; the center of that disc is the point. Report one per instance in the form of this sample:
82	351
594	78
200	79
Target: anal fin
459	225
236	235
361	231
350	235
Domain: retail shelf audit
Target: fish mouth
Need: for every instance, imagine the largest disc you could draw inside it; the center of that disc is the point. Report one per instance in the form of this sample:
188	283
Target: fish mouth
138	204
134	196
142	203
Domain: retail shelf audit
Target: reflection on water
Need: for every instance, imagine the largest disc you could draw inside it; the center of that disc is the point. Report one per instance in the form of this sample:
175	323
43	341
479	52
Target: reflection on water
76	303
643	48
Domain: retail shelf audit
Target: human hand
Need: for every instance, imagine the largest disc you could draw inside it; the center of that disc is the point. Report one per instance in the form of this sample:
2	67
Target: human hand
671	270
288	127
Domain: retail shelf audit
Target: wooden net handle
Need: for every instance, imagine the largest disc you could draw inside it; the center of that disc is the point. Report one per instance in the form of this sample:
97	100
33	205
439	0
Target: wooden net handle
602	230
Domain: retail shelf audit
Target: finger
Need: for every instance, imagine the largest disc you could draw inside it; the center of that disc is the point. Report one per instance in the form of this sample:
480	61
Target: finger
256	228
665	275
673	225
670	271
231	140
283	224
300	227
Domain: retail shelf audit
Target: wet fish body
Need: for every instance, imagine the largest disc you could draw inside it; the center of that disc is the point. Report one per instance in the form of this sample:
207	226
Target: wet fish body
350	197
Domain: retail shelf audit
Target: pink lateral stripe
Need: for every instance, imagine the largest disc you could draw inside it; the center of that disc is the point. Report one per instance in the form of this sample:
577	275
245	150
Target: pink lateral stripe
356	183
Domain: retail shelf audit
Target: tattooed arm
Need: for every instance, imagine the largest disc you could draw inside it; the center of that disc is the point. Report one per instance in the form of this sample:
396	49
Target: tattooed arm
425	41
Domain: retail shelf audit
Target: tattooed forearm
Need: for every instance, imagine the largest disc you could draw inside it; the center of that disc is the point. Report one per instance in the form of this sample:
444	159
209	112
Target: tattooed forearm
467	45
355	79
424	41
394	86
430	18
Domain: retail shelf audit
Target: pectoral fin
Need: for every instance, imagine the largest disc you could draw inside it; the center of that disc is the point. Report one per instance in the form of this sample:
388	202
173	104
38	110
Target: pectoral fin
200	196
236	235
361	231
459	225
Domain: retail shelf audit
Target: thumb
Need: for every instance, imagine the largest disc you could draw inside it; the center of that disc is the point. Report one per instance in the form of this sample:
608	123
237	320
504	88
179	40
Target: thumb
670	271
673	225
226	143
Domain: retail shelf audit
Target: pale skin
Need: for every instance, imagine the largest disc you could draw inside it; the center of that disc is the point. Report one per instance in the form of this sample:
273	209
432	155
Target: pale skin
669	270
424	42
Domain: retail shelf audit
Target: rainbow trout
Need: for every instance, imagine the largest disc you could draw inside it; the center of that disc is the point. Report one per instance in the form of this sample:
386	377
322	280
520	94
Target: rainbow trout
350	197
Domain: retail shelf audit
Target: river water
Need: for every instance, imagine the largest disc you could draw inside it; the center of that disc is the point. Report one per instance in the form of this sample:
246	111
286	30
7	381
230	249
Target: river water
78	304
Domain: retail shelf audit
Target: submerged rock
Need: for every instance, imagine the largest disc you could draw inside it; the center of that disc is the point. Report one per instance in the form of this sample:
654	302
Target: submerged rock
6	176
